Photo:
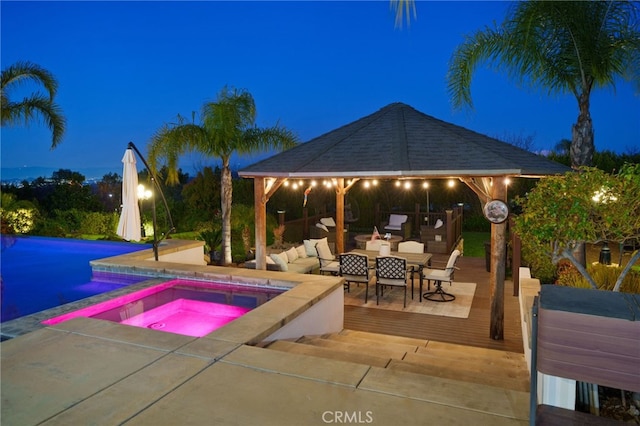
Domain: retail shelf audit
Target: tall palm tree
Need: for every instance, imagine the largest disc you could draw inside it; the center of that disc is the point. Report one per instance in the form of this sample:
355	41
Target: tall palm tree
558	46
403	9
228	126
35	105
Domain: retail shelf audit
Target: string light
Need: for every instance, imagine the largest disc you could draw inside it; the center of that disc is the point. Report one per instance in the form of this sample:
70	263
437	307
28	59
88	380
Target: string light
367	184
451	183
398	183
407	184
374	182
425	185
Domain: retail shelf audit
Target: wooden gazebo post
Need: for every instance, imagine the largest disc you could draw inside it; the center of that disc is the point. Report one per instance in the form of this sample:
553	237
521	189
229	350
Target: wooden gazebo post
263	189
260	212
498	262
340	191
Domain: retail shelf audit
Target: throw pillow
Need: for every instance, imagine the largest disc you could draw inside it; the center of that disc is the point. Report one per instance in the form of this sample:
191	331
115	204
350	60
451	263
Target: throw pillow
323	249
310	247
328	221
322	226
302	251
292	255
278	259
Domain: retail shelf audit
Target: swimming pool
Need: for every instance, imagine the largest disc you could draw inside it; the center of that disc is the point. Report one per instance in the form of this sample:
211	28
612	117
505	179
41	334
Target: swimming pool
191	308
39	273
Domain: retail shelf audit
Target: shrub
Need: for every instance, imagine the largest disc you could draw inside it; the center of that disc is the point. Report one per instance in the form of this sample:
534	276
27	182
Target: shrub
604	276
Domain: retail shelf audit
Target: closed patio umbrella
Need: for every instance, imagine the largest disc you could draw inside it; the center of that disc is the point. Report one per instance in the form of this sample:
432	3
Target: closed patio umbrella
129	224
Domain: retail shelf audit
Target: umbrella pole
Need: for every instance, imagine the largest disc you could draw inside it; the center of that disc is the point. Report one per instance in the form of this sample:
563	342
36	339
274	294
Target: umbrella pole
155	238
172	228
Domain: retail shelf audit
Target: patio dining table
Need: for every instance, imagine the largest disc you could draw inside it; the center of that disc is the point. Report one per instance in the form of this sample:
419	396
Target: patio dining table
416	260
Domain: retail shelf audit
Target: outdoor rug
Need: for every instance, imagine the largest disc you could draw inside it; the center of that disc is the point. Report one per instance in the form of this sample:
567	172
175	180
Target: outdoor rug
393	297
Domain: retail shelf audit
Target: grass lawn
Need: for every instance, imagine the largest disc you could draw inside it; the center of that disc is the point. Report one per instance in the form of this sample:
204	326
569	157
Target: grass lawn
474	243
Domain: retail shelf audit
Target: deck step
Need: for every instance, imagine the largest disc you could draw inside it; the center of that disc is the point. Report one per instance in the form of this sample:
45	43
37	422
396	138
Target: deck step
515	377
469	353
377	337
382	350
322	352
373	344
512	405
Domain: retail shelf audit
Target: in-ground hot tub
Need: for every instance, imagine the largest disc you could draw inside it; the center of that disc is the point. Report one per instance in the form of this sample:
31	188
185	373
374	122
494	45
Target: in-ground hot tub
191	308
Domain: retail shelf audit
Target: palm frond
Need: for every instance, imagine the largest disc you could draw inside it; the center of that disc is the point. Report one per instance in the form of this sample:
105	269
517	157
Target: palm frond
404	10
21	72
559	47
37	107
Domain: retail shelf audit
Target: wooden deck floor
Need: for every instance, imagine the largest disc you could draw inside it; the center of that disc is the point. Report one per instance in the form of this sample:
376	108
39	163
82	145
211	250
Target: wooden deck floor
472	331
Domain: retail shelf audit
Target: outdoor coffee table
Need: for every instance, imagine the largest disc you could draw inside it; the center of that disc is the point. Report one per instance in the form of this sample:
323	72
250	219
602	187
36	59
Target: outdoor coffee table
361	241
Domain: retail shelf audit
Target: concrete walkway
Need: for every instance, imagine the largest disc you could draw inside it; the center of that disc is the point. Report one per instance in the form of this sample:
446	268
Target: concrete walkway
87	371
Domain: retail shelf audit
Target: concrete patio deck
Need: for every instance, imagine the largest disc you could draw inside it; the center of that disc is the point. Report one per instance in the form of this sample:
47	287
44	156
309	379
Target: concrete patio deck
87	371
93	372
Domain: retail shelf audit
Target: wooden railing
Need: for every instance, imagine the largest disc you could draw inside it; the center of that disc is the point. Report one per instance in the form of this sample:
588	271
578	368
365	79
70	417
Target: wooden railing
298	229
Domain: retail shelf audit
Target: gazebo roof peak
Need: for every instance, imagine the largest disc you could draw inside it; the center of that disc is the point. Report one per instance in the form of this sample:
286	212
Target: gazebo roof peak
400	141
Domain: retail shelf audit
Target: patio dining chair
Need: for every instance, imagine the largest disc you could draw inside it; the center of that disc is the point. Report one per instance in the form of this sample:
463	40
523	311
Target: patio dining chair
355	268
411	247
439	276
329	266
391	271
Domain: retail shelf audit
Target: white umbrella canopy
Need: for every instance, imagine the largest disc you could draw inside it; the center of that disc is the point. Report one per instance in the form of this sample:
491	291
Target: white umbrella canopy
129	224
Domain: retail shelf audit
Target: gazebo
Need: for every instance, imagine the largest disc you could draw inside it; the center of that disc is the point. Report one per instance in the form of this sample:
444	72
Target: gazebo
399	142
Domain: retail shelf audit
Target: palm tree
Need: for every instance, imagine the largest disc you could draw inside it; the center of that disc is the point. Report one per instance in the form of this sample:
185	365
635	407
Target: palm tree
403	8
38	104
228	126
559	46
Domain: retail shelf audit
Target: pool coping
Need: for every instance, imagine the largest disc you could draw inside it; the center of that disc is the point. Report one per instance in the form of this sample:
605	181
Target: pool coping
304	291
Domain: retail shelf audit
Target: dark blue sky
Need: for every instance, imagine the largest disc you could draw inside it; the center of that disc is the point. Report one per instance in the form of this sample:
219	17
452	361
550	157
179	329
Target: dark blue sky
126	68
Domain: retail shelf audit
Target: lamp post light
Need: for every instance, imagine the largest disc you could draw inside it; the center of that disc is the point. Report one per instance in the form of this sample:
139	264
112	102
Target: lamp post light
604	196
143	194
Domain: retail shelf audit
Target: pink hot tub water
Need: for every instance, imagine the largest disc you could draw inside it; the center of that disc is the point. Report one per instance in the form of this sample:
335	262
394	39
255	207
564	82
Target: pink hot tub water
191	308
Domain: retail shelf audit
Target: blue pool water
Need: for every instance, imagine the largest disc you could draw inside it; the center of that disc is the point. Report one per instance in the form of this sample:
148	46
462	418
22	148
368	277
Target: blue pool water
39	273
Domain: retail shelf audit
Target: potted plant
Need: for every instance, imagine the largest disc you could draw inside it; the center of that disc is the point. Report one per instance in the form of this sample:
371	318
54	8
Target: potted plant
212	243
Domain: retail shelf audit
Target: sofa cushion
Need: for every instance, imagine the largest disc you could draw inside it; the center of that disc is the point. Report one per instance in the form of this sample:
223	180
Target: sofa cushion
302	252
396	221
292	255
322	226
310	247
328	221
280	260
324	252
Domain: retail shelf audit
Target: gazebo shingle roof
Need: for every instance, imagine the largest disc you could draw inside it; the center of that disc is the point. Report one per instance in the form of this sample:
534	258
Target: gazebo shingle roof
399	141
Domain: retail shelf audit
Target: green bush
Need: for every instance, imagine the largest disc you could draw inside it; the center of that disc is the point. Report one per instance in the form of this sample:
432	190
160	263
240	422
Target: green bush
540	264
99	223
